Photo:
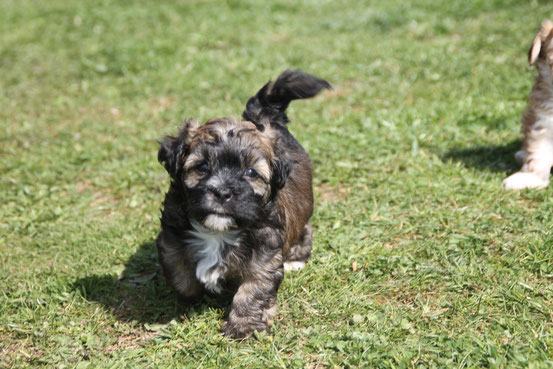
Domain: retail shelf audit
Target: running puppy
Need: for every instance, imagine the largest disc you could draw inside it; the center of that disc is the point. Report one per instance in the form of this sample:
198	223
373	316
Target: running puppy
536	154
237	210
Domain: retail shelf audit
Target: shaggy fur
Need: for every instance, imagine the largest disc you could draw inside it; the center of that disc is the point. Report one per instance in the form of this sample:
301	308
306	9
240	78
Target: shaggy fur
536	155
238	206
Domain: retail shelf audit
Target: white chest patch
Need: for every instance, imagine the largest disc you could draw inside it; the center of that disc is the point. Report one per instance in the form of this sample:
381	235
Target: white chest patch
209	246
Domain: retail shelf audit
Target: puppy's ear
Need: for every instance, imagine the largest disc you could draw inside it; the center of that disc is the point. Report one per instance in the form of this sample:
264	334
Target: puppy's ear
541	37
534	51
172	150
170	154
281	170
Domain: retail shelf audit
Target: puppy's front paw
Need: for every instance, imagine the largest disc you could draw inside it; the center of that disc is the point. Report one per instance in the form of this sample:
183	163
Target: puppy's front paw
242	331
521	180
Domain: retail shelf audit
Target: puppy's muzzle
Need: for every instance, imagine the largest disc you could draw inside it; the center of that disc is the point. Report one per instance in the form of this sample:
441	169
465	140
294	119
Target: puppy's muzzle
222	194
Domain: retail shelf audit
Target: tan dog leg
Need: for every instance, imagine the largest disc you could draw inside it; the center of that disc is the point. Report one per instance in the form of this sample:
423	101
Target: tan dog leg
537	161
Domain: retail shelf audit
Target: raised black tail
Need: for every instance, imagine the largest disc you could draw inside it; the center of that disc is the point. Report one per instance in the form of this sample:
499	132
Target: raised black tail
270	103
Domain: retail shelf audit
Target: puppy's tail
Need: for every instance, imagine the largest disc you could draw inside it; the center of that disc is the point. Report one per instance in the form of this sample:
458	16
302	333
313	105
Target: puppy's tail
270	103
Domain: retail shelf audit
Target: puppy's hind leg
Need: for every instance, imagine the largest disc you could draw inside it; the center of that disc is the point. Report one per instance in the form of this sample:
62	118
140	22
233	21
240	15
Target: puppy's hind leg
300	253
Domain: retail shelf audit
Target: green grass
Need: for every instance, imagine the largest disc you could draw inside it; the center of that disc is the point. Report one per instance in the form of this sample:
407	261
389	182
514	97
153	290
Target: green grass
420	258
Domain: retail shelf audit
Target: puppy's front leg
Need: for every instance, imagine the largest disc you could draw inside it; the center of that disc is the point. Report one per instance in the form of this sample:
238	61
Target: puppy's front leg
536	166
254	303
177	266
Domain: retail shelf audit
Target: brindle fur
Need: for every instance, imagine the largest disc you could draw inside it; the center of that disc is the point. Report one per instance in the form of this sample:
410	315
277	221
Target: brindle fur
257	222
536	154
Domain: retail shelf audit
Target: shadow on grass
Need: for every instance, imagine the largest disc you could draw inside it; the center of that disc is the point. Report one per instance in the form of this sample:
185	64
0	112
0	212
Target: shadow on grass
139	293
500	158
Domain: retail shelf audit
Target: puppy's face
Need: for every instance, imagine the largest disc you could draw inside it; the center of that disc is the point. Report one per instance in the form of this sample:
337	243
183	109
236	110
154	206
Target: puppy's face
228	170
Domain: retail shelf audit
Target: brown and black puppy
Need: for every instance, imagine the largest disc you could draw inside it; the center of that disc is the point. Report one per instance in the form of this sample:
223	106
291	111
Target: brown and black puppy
536	154
237	211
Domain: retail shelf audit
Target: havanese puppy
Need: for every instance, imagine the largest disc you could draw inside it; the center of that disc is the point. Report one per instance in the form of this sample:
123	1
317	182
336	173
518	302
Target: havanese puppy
237	210
536	154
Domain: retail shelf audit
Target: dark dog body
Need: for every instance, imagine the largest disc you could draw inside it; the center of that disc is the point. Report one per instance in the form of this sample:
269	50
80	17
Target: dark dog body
239	204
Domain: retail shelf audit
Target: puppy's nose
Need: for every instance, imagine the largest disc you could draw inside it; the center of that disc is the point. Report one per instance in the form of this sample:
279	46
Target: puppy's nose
222	194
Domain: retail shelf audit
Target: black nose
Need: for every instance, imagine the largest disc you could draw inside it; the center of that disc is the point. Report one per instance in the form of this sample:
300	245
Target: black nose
222	194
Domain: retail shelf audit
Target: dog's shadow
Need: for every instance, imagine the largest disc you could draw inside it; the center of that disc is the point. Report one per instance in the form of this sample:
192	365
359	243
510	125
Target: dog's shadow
499	158
139	293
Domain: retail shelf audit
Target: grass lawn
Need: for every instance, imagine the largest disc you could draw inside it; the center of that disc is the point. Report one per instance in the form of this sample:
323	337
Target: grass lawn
420	258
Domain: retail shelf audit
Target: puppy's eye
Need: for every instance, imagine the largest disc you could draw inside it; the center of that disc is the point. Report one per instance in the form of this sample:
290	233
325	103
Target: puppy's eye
250	172
202	168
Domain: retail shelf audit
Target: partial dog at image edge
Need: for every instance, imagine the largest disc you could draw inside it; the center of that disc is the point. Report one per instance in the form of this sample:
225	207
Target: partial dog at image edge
536	154
236	214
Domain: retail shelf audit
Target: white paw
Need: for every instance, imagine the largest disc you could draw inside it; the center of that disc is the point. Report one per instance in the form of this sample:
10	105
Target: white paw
521	180
293	265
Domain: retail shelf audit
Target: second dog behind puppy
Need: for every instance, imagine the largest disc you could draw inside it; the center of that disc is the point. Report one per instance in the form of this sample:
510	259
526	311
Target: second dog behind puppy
536	154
